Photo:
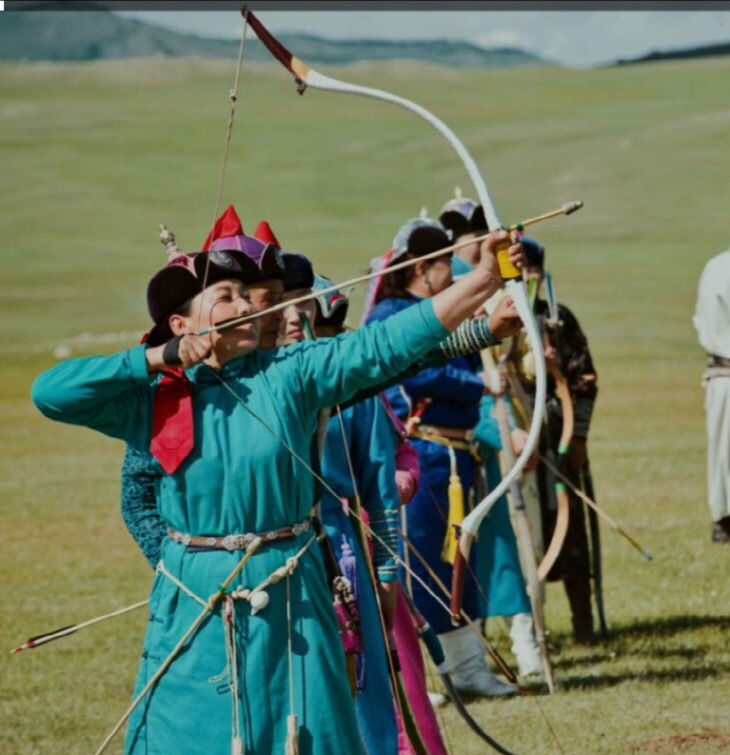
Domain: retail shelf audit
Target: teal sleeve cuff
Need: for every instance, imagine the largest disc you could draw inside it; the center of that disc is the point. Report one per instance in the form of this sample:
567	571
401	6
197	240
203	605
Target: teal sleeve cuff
387	573
138	363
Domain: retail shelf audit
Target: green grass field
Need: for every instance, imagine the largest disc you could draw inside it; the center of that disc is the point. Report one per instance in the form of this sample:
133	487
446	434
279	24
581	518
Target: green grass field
95	156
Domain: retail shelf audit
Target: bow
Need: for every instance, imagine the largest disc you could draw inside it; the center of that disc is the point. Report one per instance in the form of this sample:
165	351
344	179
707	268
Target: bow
561	492
562	391
430	640
522	530
308	77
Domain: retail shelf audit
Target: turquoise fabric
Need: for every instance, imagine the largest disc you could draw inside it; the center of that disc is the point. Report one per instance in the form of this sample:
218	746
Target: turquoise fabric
240	478
503	591
371	442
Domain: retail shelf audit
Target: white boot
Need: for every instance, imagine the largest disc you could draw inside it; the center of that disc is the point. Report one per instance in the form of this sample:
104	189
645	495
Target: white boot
469	671
524	644
436	699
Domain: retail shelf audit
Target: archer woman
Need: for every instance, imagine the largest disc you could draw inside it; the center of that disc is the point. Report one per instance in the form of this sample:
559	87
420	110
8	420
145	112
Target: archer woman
242	421
440	405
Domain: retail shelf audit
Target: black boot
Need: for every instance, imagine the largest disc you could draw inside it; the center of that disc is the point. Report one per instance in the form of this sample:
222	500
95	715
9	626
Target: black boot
578	590
721	530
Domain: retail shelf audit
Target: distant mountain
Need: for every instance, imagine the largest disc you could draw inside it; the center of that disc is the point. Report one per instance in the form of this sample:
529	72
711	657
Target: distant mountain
706	51
96	34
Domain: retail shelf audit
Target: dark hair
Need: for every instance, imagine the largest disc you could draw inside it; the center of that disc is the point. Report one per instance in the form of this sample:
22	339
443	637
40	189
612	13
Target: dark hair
184	309
395	284
422	239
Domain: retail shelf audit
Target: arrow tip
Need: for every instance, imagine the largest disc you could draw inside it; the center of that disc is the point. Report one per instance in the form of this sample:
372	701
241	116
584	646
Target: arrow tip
570	207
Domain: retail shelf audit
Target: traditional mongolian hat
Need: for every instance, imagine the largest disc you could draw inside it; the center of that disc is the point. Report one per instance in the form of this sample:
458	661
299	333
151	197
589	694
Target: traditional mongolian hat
298	272
534	251
462	215
332	306
419	236
263	247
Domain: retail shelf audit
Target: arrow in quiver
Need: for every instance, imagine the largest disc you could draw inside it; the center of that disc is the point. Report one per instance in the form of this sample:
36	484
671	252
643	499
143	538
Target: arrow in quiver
595	541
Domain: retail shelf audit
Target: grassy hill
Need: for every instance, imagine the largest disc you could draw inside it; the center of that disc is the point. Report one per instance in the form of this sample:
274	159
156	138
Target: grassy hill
96	155
702	51
97	34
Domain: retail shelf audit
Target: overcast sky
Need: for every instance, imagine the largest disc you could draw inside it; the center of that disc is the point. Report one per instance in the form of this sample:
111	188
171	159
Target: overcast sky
575	38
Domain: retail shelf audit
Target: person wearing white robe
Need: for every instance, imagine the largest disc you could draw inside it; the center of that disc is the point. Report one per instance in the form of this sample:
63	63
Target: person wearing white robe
712	322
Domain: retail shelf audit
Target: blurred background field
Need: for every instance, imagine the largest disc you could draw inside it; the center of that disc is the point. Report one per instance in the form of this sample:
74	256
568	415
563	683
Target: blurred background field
95	155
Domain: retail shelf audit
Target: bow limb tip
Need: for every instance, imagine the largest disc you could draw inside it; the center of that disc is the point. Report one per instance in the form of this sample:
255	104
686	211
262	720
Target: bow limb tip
458	574
298	68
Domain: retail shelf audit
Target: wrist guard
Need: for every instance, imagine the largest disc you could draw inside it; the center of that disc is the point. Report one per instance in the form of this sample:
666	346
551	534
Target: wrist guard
470	337
171	352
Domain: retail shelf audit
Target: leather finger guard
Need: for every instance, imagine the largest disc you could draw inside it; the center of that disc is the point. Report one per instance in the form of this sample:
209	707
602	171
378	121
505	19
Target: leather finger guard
171	352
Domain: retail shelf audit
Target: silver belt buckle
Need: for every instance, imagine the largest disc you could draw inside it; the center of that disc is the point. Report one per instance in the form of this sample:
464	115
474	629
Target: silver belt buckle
237	542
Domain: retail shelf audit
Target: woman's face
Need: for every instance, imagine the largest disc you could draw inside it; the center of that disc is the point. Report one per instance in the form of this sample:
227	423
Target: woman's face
221	301
437	275
469	252
290	330
263	296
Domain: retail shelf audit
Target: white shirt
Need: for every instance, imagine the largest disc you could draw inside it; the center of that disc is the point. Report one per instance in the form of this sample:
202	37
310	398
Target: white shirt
712	313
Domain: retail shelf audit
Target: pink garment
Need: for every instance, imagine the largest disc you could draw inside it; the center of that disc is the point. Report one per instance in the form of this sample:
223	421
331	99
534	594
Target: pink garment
414	679
408	470
371	293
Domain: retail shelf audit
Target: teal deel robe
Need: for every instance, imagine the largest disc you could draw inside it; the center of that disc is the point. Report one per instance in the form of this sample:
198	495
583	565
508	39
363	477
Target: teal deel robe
241	478
498	568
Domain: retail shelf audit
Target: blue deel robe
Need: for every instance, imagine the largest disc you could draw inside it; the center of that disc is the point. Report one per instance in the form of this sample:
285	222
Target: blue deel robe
455	391
371	442
241	478
503	591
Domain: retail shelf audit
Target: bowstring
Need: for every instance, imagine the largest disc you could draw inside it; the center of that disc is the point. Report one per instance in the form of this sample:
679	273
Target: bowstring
233	96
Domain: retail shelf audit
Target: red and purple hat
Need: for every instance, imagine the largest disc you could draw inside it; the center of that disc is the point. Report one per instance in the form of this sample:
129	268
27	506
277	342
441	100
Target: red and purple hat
263	247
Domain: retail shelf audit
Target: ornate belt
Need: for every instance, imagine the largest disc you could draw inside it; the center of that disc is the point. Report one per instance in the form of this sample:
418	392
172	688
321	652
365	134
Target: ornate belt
238	542
432	434
452	433
715	361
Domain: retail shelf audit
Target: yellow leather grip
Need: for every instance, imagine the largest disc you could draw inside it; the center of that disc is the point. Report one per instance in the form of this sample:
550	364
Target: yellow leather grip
506	269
